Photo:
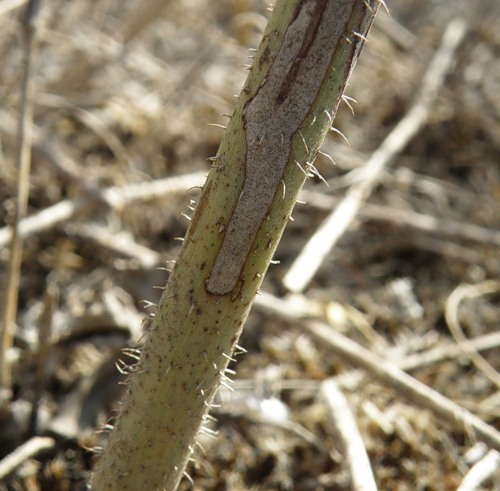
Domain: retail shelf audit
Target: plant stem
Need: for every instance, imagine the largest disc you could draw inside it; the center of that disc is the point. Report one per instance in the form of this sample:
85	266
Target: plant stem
25	135
283	114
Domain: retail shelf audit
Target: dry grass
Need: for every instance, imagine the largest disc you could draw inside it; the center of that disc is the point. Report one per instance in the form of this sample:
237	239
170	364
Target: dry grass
125	98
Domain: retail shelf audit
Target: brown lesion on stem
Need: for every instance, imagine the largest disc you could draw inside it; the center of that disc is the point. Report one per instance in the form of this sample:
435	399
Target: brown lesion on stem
271	119
309	38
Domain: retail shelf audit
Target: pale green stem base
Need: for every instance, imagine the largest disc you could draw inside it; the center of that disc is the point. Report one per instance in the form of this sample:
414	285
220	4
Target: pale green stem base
283	113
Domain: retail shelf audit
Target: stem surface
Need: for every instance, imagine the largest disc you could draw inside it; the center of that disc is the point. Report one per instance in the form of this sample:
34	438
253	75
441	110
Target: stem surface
283	114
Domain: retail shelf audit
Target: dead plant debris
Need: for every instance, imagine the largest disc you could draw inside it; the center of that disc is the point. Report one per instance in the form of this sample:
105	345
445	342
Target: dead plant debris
124	94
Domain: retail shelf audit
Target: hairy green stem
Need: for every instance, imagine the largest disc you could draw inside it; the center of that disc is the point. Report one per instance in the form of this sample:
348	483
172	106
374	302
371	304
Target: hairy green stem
283	114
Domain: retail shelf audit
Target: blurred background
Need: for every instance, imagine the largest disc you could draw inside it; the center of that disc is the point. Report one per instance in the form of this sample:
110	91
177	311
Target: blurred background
127	98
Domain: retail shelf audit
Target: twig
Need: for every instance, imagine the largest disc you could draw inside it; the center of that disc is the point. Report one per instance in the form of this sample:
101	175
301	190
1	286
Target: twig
121	244
27	450
405	385
451	315
481	343
24	166
407	363
348	432
387	373
412	219
117	197
448	248
335	225
396	32
482	470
